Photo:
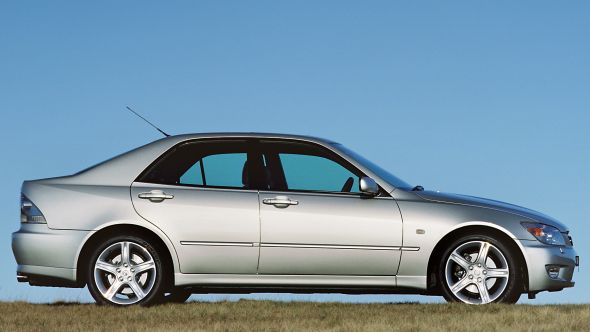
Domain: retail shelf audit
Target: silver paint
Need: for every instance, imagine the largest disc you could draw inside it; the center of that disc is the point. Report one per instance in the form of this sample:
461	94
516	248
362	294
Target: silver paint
246	237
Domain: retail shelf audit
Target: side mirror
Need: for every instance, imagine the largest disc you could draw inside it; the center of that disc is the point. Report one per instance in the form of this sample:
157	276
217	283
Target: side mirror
368	186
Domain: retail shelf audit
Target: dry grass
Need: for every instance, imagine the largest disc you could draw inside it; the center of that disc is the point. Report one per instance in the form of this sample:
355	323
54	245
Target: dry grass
293	316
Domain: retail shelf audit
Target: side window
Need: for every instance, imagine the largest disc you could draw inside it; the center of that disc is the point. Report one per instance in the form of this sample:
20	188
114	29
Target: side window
219	163
300	166
194	175
218	170
316	173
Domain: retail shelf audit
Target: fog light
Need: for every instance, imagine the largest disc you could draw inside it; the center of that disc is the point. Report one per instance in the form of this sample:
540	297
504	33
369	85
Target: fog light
553	271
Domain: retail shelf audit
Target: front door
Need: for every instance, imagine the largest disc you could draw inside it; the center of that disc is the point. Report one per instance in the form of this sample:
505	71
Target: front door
315	221
200	194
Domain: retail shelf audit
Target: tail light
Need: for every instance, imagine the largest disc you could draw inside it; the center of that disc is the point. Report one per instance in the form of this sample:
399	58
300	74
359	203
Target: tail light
29	213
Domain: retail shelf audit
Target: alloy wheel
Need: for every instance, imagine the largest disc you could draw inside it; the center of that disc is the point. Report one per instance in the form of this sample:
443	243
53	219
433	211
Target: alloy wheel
125	273
477	272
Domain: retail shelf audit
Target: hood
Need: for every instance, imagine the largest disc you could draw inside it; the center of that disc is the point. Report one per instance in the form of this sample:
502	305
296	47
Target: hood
491	204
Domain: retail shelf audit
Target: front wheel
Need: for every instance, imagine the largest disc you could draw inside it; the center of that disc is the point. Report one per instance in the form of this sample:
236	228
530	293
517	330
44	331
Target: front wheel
478	269
125	270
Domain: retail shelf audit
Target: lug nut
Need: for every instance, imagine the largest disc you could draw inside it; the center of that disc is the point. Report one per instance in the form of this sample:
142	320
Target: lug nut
125	265
132	270
478	265
118	270
471	267
470	277
120	278
478	279
485	272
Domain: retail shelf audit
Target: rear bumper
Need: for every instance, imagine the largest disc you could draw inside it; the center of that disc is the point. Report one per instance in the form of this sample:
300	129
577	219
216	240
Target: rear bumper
47	276
540	257
47	257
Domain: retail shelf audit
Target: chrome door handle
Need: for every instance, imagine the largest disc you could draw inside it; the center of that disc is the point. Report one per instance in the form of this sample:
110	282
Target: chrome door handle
280	201
155	196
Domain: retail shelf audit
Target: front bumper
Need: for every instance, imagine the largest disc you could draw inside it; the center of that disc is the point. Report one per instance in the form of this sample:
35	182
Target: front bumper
47	257
539	256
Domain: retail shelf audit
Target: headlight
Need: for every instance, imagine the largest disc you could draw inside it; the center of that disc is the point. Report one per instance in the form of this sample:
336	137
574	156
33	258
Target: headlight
545	233
29	213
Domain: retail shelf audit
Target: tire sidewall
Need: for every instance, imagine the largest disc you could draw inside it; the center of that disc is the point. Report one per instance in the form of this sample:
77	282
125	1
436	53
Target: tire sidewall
514	286
156	292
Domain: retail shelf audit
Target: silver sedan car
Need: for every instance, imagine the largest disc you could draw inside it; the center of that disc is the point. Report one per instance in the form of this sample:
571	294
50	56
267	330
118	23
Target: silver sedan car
249	212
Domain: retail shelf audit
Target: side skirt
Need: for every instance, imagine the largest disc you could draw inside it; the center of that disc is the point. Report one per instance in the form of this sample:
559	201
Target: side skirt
306	284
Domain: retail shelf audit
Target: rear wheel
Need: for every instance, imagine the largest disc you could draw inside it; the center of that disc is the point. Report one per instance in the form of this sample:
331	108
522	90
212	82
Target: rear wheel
478	269
125	270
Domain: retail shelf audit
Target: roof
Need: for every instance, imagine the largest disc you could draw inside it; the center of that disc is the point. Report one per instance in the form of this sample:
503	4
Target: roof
123	169
181	137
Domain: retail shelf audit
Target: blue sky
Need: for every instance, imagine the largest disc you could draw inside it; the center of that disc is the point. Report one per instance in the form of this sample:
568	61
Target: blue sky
477	97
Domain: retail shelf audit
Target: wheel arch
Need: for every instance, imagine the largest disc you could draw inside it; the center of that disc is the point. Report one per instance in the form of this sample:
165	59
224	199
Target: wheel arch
119	229
469	229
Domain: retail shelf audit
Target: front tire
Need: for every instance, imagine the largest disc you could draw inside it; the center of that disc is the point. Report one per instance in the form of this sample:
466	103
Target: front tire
478	269
125	270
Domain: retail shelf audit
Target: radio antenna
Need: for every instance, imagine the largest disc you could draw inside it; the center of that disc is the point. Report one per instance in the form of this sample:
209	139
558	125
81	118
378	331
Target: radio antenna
144	119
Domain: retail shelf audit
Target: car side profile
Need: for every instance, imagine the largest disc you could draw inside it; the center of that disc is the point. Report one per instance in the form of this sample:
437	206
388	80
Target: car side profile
254	212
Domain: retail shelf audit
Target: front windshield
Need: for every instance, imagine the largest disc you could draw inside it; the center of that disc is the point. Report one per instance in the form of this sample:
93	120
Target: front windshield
378	170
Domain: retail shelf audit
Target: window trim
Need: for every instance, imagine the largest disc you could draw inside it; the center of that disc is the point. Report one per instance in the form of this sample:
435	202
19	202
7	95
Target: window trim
324	153
254	146
250	151
313	192
192	187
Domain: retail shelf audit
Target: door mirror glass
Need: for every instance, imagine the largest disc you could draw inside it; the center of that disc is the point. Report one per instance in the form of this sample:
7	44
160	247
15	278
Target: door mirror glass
368	186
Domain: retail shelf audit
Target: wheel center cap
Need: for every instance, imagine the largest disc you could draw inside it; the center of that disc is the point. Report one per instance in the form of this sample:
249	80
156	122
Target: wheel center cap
124	272
477	272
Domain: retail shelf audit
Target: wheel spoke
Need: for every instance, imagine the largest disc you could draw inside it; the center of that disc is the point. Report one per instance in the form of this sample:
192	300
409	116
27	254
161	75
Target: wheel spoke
464	275
483	293
107	267
112	291
483	253
136	288
459	260
145	266
118	278
459	285
498	273
124	252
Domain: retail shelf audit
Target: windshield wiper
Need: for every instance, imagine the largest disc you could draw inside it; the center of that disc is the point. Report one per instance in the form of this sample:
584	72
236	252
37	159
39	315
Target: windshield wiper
418	188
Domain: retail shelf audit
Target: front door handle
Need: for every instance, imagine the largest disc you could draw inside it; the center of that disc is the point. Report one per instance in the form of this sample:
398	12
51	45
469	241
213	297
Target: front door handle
280	201
155	196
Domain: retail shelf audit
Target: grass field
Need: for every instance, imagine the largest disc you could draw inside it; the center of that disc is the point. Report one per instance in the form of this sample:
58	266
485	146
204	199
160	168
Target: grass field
293	316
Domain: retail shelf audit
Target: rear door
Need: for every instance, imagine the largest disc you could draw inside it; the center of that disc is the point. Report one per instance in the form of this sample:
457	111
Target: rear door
315	221
202	195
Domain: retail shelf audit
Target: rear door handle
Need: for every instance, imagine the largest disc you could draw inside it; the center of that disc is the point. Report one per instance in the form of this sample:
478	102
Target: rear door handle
280	201
155	196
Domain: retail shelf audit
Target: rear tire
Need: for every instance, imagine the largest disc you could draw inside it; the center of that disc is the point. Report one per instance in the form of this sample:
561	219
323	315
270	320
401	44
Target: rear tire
125	270
479	269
